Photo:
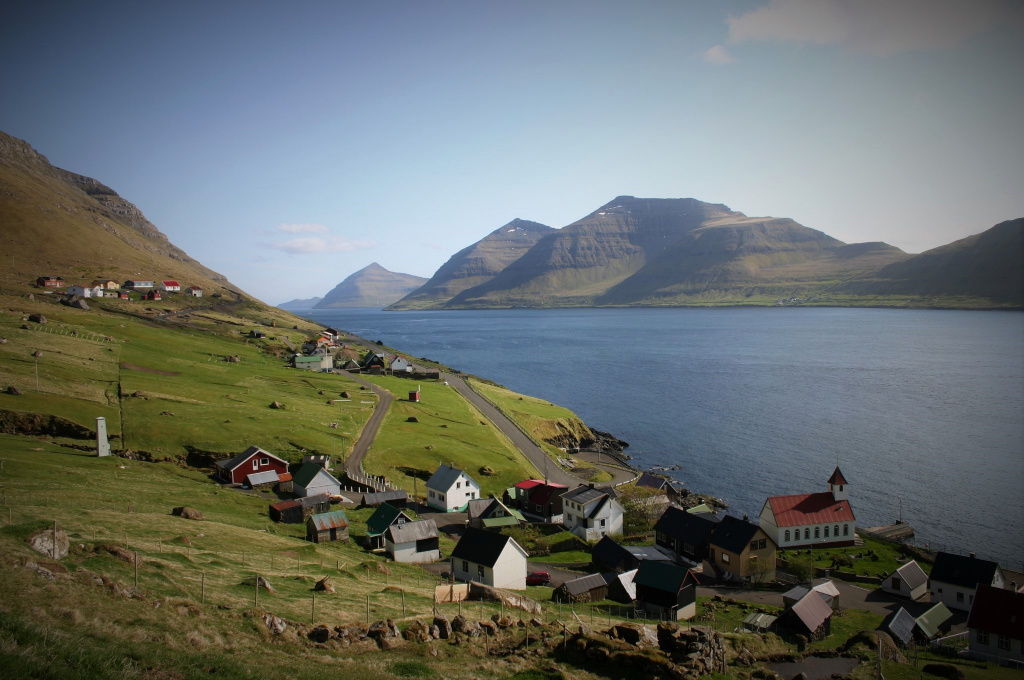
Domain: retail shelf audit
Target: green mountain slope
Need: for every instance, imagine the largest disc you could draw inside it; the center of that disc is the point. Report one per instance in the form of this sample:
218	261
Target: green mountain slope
476	264
371	286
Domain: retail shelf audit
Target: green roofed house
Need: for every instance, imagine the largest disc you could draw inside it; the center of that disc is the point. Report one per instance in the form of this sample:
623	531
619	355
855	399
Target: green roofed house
380	521
666	590
490	513
311	479
314	362
328	526
935	621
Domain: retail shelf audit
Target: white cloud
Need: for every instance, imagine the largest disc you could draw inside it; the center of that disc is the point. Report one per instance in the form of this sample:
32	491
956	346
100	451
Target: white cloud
303	228
717	55
317	245
880	27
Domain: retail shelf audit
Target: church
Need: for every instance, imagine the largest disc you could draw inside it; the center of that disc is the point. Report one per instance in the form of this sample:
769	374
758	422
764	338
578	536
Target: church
811	520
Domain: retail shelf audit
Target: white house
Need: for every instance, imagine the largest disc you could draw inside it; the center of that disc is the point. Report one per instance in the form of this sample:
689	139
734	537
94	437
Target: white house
591	513
312	479
400	365
194	291
137	284
86	291
908	581
808	520
954	579
489	558
170	286
996	625
450	489
414	542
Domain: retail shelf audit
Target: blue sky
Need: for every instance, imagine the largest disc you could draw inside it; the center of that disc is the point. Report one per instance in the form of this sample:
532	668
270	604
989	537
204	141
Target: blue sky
287	145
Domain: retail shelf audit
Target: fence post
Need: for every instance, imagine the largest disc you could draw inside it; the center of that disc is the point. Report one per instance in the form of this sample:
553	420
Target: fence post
312	615
55	539
367	609
203	591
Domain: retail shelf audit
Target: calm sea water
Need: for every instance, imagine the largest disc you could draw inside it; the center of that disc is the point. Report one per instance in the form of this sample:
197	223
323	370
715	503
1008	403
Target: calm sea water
923	406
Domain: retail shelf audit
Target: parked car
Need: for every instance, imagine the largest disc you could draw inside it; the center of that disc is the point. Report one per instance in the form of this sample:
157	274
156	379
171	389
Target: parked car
538	578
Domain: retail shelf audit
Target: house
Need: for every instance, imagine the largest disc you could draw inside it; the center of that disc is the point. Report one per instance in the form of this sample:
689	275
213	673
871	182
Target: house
315	362
257	334
50	282
194	291
399	498
109	284
413	542
450	489
908	581
686	534
351	366
111	294
955	577
827	591
590	588
935	621
538	498
759	622
665	590
489	558
810	617
170	286
311	479
89	291
817	520
333	333
321	459
327	526
253	459
400	365
123	295
295	510
621	587
996	624
490	513
154	295
377	525
137	285
901	626
740	551
591	513
608	555
374	362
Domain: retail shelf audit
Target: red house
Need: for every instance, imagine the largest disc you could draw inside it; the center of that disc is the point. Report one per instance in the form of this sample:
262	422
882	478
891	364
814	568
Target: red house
49	282
154	295
253	459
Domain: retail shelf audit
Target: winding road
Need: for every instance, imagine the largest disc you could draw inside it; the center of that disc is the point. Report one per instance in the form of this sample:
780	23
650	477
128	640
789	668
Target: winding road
354	462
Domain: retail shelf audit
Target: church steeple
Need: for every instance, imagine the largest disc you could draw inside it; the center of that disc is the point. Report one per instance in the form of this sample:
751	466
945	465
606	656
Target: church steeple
837	485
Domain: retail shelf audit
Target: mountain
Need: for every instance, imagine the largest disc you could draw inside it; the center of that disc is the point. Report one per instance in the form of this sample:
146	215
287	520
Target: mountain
59	223
476	264
989	265
654	251
300	305
371	286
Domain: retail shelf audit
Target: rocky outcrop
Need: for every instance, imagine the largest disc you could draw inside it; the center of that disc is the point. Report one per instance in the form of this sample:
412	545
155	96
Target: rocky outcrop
186	512
41	424
699	648
43	542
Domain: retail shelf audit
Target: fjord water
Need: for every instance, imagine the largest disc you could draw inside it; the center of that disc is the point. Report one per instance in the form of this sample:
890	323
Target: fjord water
923	406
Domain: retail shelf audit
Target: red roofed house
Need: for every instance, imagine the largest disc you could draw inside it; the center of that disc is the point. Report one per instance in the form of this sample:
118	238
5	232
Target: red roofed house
807	520
539	498
253	459
49	282
170	286
996	624
154	295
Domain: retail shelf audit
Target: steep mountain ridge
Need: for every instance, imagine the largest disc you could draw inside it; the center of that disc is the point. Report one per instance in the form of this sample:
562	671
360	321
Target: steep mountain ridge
371	286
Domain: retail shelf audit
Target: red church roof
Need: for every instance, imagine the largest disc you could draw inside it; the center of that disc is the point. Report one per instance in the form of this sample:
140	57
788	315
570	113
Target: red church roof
837	477
810	508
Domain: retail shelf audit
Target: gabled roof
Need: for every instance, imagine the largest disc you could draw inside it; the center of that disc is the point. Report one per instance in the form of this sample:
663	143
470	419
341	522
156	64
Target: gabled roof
445	478
810	508
626	579
733	534
309	471
382	518
584	584
837	477
932	620
684	526
171	283
284	505
812	610
412	531
230	464
901	625
963	571
529	484
663	576
652	482
266	477
541	494
313	501
481	547
827	588
912	574
329	520
476	507
795	593
585	493
998	611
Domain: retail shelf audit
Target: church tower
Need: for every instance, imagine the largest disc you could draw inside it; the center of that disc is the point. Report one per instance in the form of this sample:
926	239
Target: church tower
837	485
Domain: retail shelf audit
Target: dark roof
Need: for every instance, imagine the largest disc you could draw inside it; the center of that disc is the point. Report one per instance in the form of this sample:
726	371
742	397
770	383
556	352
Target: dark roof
307	472
684	526
413	531
912	574
646	552
445	477
584	584
663	576
733	534
608	552
837	477
480	547
962	571
901	624
811	610
652	481
584	494
998	611
329	520
383	496
382	518
284	505
313	501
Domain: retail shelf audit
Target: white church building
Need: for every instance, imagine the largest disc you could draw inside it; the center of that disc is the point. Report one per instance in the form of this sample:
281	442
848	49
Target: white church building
811	520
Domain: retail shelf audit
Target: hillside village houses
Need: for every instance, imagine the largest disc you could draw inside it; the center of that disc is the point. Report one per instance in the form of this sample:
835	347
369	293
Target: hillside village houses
450	489
50	282
489	558
740	551
413	542
194	291
811	520
253	459
89	291
591	513
138	284
170	286
955	578
312	479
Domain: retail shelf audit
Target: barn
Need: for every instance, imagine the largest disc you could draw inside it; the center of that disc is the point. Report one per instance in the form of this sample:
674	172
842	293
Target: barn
327	526
590	588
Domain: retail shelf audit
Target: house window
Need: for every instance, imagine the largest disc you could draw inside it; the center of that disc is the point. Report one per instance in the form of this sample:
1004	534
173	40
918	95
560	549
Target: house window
480	571
826	532
602	522
1004	642
753	545
762	544
465	566
458	485
787	536
264	461
846	530
836	530
807	534
725	558
983	637
960	598
817	532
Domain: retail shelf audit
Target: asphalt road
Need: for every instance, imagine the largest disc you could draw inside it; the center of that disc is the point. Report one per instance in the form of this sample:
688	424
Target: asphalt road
354	462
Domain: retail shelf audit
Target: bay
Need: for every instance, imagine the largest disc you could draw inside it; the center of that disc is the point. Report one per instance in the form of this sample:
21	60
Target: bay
923	409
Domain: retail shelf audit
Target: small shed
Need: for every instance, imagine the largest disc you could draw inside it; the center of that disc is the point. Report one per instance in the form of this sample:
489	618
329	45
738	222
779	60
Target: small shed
327	526
398	498
287	512
908	581
415	396
154	295
935	621
810	616
621	587
759	622
666	590
900	626
414	542
262	480
589	588
284	482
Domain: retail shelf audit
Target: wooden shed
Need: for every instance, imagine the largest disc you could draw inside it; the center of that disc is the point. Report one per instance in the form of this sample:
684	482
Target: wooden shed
589	588
327	526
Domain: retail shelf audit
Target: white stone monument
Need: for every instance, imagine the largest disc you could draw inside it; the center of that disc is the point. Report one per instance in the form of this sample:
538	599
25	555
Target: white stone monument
102	445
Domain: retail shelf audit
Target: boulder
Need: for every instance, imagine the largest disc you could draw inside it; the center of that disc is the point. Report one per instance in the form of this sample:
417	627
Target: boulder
277	404
79	303
412	419
13	390
444	626
186	512
346	395
42	541
320	634
263	583
275	624
37	318
324	585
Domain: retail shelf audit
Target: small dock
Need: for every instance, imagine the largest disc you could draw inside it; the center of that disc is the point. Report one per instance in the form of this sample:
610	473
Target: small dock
898	531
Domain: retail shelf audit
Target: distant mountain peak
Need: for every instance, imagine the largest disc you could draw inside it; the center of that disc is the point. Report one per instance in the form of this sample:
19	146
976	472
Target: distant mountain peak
371	286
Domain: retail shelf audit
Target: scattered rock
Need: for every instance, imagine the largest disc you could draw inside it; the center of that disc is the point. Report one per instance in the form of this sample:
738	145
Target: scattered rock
42	541
277	404
13	390
319	634
37	318
324	585
167	413
487	471
121	553
275	624
37	354
233	359
263	583
444	626
186	512
412	419
345	395
3	341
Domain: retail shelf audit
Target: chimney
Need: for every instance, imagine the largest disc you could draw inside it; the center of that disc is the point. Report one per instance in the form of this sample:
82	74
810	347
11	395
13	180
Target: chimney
971	556
591	485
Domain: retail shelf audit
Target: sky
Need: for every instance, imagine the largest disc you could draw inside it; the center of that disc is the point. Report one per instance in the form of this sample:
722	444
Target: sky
288	145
